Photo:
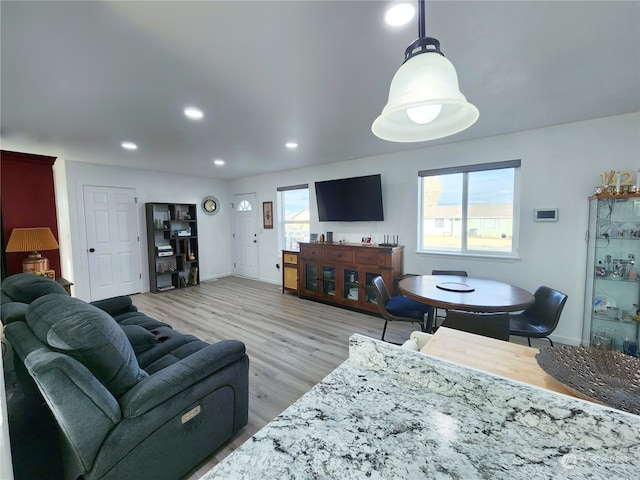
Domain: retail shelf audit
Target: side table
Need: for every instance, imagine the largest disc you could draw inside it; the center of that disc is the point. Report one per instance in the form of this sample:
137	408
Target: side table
66	284
290	271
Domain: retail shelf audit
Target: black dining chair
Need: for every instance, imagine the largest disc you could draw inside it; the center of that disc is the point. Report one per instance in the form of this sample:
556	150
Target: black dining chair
441	313
398	308
494	325
541	318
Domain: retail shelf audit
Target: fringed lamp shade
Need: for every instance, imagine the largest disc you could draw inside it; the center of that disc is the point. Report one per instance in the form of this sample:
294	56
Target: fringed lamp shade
32	240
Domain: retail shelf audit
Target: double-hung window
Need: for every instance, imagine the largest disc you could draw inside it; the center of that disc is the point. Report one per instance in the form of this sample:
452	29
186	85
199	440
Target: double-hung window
294	217
470	209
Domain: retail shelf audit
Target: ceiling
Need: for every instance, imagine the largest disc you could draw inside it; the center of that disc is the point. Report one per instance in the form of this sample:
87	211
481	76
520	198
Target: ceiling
78	78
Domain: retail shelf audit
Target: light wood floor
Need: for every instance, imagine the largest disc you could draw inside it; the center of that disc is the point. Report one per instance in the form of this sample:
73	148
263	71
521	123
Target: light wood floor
292	343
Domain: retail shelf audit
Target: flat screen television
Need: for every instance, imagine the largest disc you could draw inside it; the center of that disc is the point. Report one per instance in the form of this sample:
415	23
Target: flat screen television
357	199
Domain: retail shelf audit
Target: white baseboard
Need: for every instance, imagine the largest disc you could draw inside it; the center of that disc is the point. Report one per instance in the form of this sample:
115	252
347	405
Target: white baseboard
211	278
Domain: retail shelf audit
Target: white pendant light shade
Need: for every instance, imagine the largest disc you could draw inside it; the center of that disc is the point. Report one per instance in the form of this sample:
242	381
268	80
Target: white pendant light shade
424	103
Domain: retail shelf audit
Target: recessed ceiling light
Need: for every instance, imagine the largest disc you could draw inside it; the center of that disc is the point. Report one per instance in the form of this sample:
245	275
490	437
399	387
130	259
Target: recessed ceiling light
291	145
193	113
218	162
399	14
129	146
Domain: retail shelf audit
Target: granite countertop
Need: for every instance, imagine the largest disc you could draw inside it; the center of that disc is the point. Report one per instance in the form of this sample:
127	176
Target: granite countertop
389	413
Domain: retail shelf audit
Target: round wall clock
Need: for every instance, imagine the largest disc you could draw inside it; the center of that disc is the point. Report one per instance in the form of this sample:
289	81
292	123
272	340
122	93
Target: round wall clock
210	205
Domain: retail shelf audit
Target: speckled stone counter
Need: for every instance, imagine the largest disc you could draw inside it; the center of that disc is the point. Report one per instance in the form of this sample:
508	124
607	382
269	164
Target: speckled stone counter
389	413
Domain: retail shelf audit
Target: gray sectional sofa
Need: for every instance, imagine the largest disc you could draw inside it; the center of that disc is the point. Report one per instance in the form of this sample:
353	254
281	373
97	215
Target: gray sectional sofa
132	398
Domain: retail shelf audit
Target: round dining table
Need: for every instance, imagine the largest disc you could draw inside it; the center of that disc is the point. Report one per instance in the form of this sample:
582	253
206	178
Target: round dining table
453	292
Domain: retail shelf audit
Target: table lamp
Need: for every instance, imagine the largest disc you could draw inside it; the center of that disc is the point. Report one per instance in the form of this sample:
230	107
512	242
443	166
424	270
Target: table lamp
32	240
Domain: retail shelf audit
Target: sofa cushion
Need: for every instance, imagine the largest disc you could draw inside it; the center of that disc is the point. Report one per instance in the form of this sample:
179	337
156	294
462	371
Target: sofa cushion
4	298
13	312
140	319
167	341
175	355
26	287
140	338
89	335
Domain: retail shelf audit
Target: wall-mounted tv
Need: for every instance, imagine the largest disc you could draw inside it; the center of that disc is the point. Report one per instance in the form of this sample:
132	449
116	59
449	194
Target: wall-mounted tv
357	199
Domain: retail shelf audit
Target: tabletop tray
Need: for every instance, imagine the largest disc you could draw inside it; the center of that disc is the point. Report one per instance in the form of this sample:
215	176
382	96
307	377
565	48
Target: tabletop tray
455	287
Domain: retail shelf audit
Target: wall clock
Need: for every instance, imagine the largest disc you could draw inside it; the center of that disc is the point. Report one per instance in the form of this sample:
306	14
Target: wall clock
210	205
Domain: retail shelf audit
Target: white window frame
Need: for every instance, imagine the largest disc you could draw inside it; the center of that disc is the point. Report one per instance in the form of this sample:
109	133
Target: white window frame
465	170
281	216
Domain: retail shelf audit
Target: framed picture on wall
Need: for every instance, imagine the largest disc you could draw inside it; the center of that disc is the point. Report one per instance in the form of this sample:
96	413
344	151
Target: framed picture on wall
267	215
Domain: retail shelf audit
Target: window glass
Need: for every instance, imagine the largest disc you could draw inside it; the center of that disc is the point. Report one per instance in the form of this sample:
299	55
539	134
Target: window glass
469	210
442	199
244	206
295	217
490	224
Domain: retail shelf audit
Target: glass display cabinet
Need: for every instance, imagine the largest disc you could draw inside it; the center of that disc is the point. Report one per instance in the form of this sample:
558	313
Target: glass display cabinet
612	291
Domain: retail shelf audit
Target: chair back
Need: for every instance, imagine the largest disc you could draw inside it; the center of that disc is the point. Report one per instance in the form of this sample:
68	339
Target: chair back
494	325
382	294
459	273
547	308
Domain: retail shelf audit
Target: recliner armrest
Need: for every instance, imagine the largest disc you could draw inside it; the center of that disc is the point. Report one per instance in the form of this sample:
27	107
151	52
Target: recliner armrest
175	378
116	305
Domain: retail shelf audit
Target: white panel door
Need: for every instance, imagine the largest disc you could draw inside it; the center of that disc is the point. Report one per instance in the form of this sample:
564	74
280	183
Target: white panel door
113	245
245	235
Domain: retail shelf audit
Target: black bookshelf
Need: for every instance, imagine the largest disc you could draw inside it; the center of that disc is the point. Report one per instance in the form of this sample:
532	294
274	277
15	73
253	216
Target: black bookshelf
172	246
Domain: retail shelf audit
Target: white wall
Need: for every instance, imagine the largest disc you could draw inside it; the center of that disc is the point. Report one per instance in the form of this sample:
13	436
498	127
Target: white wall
560	167
214	232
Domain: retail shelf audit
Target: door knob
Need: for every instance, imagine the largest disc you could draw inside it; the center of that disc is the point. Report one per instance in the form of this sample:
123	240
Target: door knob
92	250
255	241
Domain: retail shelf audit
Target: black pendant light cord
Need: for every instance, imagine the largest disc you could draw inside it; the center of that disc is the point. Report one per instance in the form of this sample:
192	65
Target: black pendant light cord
422	15
423	44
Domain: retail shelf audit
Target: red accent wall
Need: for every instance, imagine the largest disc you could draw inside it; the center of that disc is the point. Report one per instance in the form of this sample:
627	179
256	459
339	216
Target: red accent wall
28	200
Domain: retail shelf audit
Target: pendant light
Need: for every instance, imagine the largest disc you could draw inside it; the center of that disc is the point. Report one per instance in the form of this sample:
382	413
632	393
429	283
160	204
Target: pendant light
425	102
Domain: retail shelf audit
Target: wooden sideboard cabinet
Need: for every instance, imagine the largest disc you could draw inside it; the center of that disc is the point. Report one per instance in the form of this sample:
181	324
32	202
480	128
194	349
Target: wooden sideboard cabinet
342	273
290	271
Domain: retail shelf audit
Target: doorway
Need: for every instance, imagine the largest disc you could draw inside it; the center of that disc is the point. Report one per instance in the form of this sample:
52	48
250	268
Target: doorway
245	235
113	242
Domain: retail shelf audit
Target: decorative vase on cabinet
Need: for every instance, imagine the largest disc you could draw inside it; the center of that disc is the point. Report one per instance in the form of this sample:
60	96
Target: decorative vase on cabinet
612	293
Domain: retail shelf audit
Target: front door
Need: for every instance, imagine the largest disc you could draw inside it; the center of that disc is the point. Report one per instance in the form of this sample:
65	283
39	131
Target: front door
112	241
245	235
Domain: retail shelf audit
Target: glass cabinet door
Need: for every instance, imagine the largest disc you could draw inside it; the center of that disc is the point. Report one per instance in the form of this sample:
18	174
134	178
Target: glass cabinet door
613	291
370	294
351	287
311	276
328	280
